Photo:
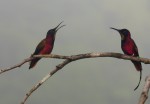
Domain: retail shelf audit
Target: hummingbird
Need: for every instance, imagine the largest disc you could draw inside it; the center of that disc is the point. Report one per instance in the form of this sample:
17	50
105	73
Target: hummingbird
129	47
45	46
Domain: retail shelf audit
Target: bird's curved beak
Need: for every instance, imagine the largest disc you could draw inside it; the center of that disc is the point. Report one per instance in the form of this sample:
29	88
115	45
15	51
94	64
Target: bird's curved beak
114	29
57	27
122	36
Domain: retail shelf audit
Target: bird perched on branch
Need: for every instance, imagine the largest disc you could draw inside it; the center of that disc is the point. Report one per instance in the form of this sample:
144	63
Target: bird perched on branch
45	46
129	47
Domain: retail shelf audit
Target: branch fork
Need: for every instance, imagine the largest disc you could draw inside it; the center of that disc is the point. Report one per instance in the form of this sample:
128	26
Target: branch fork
68	59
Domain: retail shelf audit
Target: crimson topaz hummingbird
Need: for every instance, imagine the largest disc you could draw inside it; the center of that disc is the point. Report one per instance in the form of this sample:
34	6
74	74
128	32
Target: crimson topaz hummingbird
129	47
45	46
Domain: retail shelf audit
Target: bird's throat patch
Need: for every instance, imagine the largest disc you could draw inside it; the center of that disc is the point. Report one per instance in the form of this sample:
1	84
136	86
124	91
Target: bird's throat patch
122	36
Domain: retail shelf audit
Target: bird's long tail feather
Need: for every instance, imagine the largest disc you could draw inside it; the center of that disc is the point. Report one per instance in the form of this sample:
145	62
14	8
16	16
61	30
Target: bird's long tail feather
139	80
138	67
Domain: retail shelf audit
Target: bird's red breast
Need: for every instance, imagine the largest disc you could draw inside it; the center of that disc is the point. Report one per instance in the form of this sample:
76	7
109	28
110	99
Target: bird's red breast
128	47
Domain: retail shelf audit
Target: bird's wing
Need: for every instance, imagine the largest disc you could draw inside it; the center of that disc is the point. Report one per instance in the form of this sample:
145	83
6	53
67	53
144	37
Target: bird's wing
39	47
136	53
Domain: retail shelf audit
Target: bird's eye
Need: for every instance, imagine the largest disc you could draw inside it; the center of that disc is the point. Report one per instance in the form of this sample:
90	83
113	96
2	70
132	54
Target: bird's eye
125	32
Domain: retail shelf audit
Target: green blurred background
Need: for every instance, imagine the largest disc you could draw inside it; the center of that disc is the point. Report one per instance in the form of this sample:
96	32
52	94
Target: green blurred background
23	24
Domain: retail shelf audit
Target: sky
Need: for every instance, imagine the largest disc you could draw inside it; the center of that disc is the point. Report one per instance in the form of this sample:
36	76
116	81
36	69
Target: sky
23	24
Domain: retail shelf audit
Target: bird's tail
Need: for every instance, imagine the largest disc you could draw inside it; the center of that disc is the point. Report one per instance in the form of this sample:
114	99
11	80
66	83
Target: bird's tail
33	62
138	67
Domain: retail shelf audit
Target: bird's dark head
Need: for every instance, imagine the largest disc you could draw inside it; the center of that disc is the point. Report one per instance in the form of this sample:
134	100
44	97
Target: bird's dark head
124	33
54	30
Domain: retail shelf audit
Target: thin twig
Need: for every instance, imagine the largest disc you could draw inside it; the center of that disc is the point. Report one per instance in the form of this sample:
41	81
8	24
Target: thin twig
15	66
144	94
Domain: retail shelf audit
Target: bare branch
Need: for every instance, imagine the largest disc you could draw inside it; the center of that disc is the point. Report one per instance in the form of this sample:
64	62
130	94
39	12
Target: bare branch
81	56
93	55
15	66
74	58
69	59
144	94
60	66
